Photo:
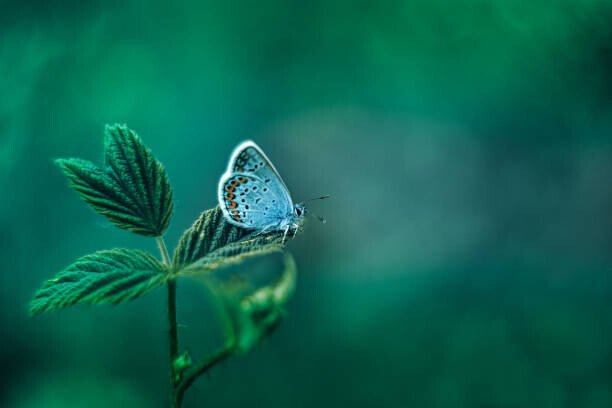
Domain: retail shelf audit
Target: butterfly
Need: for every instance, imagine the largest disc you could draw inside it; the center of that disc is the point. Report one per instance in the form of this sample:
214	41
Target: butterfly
253	195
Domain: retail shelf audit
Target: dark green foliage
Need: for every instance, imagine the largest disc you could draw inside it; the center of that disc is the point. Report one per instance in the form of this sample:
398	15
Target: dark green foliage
252	312
212	242
249	312
208	232
133	191
112	276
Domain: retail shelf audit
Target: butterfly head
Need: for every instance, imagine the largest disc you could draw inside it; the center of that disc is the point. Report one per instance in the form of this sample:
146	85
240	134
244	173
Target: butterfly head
299	210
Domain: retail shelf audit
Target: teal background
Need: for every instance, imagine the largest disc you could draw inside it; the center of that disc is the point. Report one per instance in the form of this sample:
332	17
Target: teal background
467	147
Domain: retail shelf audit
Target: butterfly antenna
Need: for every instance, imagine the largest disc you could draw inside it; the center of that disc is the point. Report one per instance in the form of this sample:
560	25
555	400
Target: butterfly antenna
323	220
323	197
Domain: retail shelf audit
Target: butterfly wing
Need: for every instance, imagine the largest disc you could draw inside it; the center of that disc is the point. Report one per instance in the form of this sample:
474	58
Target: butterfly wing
248	202
249	158
251	193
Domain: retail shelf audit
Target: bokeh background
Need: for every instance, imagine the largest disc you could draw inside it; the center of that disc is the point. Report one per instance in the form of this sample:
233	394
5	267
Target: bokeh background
467	146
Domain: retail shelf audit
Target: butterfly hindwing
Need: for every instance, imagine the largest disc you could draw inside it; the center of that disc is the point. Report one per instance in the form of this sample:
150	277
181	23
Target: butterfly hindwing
250	203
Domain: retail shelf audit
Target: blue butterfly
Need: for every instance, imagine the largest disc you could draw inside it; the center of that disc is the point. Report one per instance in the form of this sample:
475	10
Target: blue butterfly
253	195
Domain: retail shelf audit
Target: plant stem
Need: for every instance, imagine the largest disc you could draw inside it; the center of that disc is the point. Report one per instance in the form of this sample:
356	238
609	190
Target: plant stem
172	326
172	336
163	250
178	385
199	369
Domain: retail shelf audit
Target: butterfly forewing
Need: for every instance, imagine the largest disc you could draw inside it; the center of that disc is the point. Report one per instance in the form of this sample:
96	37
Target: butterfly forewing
249	158
250	203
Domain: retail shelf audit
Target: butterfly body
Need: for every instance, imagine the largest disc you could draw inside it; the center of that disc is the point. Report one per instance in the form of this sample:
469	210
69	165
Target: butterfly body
252	194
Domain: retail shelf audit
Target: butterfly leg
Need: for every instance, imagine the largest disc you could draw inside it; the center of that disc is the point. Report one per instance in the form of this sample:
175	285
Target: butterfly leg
263	231
295	231
285	234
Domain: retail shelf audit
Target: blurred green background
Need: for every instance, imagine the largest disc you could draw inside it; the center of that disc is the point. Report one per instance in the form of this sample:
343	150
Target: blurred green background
467	146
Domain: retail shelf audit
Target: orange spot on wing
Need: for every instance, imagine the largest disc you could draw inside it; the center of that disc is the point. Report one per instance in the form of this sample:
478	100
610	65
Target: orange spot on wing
230	189
230	196
234	183
233	205
242	179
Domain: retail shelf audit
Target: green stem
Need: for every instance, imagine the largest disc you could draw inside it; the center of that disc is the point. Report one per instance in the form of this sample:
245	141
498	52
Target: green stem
199	369
163	250
179	383
173	339
172	326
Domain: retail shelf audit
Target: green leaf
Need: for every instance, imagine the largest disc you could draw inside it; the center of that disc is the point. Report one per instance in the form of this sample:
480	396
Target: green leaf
105	277
250	312
212	242
132	191
141	177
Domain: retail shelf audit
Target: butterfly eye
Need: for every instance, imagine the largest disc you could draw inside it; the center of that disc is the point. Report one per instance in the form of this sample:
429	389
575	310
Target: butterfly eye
298	211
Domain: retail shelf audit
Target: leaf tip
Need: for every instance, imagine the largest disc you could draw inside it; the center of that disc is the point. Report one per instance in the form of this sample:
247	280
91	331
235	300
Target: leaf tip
60	162
114	126
33	311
